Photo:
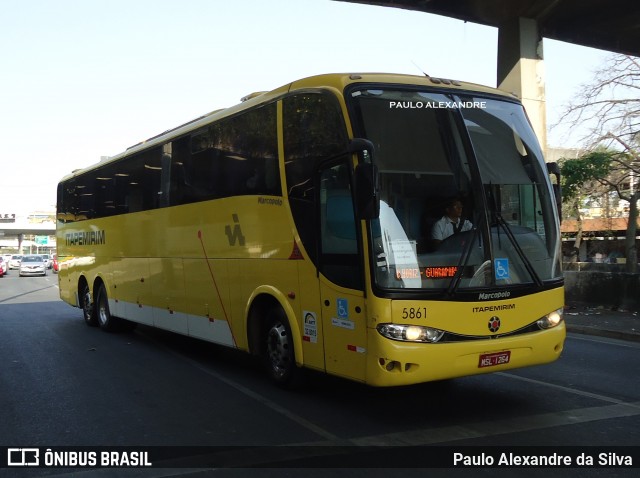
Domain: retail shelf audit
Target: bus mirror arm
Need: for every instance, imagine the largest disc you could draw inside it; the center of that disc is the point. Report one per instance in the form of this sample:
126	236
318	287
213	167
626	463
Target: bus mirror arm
357	145
554	170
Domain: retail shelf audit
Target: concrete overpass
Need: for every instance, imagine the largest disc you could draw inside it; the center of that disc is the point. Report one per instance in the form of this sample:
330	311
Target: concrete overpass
39	229
612	25
15	231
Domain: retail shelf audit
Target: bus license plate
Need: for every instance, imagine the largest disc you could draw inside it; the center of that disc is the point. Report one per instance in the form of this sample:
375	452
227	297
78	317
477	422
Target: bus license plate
497	358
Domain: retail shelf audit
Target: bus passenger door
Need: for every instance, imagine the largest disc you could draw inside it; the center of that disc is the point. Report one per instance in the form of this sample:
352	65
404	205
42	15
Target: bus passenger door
341	276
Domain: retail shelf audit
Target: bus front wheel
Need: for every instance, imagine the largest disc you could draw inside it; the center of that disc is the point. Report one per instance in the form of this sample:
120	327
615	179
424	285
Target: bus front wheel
279	353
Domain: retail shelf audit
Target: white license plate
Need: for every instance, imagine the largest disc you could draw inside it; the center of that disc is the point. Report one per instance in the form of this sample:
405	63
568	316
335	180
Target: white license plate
493	359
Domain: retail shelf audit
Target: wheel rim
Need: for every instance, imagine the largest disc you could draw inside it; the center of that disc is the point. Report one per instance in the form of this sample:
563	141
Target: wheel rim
103	312
278	351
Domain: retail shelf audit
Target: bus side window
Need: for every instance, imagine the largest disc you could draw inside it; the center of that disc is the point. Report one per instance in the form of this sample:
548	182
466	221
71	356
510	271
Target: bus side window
231	157
340	260
151	179
313	131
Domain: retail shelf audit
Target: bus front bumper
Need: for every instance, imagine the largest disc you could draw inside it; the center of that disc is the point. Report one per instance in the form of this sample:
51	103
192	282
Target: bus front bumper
405	363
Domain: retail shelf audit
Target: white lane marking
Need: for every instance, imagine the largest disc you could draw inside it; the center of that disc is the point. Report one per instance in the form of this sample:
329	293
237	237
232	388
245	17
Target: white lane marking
254	395
563	388
506	426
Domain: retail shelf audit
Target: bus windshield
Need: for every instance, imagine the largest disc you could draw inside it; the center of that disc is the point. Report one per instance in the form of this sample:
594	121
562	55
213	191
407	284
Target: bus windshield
465	197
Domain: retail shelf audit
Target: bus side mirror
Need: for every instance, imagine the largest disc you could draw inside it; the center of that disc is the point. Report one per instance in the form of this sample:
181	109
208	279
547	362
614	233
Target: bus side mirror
554	172
367	194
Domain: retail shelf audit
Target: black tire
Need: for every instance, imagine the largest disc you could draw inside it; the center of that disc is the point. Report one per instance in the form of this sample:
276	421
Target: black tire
88	308
106	321
279	354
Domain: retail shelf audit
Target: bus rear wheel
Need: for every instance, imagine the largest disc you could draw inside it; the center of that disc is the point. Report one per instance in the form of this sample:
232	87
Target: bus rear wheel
107	322
279	353
88	309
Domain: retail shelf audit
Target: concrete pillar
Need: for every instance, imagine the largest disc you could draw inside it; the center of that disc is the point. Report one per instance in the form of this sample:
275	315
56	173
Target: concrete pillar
521	70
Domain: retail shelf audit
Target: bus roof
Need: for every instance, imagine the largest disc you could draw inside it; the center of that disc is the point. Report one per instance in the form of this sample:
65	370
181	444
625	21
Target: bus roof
335	81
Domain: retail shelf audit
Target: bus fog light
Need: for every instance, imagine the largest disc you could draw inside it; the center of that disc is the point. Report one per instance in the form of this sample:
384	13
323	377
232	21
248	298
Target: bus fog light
410	333
551	320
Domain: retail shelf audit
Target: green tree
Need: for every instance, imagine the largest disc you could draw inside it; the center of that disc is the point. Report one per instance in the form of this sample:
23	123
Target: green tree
624	180
598	173
580	181
608	109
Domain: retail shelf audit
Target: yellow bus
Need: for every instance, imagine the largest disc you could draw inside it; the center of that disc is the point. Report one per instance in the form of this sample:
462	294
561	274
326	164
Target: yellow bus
301	226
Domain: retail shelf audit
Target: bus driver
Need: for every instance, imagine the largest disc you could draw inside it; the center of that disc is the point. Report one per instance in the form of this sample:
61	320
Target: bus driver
451	223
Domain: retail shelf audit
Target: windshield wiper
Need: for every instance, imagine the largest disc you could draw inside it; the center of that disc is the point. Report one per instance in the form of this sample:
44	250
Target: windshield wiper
462	263
466	254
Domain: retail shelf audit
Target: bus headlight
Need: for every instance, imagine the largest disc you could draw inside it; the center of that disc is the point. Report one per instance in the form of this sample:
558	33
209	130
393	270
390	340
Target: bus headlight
410	333
551	320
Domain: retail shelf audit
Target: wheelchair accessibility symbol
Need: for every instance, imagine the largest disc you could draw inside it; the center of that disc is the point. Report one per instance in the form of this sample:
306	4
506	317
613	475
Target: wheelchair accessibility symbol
343	309
501	267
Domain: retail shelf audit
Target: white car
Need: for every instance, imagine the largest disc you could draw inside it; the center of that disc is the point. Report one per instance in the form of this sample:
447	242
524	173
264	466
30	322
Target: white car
14	262
32	265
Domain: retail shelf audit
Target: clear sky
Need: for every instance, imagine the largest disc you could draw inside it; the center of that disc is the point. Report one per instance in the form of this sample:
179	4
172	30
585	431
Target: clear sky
81	79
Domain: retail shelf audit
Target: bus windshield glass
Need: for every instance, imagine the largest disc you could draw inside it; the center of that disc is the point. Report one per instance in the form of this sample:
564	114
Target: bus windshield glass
465	196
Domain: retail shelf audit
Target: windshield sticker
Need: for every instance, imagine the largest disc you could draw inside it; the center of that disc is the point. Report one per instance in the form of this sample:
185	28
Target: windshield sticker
404	252
502	269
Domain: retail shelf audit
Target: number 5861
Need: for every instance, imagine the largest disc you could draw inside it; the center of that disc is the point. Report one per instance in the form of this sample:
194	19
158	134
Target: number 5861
414	312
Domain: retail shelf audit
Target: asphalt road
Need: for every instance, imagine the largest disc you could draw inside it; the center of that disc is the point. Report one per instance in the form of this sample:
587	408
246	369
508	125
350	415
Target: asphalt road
63	383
